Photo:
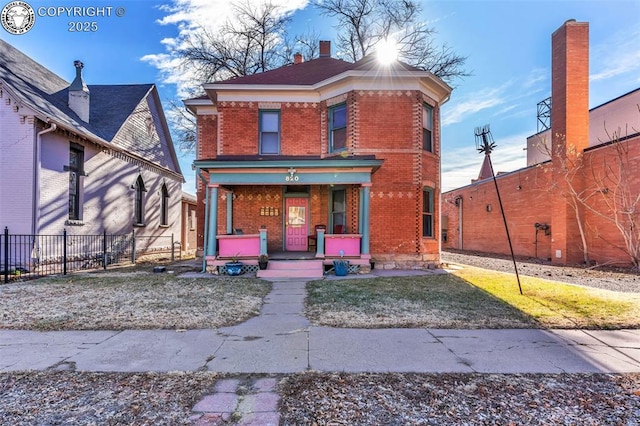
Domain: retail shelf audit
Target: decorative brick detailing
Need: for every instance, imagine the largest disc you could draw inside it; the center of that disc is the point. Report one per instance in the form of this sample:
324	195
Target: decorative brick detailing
269	105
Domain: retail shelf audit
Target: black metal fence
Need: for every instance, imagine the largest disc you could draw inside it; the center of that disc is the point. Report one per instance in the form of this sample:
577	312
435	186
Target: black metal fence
32	256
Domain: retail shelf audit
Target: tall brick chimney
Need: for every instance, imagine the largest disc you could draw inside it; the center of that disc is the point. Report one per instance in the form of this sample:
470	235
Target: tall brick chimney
325	49
569	130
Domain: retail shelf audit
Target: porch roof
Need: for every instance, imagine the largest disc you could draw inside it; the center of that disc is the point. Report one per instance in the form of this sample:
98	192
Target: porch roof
289	170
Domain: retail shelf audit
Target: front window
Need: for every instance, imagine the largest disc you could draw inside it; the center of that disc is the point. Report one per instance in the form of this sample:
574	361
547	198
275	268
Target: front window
164	206
427	212
427	128
139	201
338	127
339	211
76	169
269	132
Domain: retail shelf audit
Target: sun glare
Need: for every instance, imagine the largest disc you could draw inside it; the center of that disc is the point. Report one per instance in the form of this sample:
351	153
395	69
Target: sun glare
387	52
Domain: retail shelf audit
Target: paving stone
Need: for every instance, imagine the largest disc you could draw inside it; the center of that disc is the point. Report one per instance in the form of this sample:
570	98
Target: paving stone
217	403
227	385
213	419
260	419
259	403
265	385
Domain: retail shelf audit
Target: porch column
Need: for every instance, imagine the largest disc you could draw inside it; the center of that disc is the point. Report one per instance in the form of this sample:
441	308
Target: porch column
364	214
213	220
230	213
320	242
263	241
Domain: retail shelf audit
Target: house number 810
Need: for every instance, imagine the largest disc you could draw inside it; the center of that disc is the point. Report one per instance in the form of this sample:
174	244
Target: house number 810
291	178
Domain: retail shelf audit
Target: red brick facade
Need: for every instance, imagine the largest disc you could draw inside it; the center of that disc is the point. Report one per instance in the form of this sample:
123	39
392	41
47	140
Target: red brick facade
541	216
384	123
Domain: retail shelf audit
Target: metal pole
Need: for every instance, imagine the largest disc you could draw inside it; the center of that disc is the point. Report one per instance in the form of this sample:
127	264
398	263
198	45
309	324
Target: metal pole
104	249
504	218
173	258
64	252
6	255
133	247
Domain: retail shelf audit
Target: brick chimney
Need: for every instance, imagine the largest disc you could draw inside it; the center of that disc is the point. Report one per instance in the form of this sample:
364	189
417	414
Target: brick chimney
570	87
79	97
297	58
569	131
325	49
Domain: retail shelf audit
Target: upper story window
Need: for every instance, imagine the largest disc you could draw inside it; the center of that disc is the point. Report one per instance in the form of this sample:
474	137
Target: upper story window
338	127
427	128
76	169
269	132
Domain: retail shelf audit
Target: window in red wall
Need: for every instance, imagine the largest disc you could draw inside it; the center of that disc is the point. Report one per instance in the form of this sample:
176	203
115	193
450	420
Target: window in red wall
427	212
338	127
269	132
427	128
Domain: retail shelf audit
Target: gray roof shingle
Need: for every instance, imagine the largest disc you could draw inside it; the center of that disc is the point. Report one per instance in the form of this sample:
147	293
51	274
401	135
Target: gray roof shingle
110	105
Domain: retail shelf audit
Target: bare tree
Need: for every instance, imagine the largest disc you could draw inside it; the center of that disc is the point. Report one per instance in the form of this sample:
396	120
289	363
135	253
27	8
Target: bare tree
362	24
604	185
246	45
617	192
256	40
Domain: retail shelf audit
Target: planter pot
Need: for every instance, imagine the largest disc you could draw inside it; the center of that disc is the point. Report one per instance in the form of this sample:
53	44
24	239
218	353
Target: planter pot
263	265
233	268
341	267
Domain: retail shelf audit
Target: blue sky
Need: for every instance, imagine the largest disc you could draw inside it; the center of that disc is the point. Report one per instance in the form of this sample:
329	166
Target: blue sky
507	44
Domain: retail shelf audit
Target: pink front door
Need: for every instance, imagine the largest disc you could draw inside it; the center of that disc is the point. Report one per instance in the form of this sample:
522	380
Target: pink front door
296	224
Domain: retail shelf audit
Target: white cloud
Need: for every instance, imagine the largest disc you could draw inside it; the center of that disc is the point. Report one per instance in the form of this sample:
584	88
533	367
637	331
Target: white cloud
504	96
461	165
617	55
191	17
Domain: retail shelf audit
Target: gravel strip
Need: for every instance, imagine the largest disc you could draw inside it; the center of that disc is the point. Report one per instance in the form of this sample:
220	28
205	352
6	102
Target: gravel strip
460	399
71	398
622	280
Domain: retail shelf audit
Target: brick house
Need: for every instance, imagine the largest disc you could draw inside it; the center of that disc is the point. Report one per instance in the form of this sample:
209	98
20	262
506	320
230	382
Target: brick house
542	223
324	157
84	158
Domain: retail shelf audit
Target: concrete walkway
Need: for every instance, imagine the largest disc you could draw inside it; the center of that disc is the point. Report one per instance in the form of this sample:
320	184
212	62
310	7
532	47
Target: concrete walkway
281	340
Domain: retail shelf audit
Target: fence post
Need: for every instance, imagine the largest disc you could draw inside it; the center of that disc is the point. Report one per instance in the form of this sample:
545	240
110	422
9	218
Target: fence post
133	246
104	249
64	252
6	255
173	257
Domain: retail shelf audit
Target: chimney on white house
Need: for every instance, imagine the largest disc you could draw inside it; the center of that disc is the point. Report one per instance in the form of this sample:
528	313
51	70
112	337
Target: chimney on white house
325	49
79	96
297	58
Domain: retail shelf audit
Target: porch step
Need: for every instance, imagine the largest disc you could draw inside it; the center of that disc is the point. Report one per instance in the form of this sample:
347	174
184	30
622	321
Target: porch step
292	269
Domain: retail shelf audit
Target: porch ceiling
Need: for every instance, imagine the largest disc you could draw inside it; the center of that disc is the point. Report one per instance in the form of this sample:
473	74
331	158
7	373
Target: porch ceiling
281	170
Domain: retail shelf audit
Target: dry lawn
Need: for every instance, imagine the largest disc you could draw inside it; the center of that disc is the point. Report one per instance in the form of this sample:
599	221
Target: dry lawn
129	300
435	301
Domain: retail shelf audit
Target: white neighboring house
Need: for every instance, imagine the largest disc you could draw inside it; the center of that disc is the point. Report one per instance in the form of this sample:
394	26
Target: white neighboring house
83	158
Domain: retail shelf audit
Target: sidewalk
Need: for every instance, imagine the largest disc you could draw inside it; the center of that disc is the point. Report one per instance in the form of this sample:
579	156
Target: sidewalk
281	340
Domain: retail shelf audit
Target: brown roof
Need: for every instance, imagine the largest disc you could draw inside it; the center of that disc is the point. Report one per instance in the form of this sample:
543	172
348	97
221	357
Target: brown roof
314	71
486	170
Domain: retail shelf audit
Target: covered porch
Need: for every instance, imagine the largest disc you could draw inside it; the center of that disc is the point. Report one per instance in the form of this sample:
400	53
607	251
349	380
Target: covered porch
298	209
